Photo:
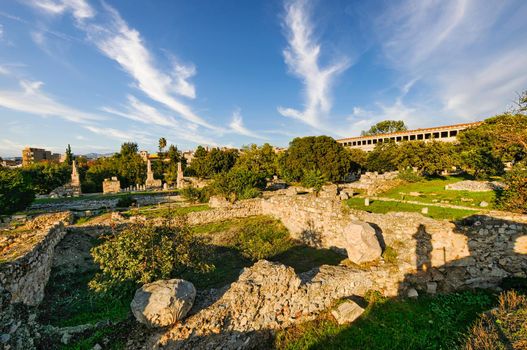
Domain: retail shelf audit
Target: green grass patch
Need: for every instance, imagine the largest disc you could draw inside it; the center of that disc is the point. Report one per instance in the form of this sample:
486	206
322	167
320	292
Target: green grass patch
426	323
237	243
383	207
433	191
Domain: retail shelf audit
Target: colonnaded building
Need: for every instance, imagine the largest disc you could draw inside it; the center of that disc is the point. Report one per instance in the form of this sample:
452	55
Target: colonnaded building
441	133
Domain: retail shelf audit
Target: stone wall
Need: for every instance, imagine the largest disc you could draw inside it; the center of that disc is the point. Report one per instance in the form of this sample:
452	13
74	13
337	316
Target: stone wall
25	276
474	186
374	183
86	203
112	185
226	211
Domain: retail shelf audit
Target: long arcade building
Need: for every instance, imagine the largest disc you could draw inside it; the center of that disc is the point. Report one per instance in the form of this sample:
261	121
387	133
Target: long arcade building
441	133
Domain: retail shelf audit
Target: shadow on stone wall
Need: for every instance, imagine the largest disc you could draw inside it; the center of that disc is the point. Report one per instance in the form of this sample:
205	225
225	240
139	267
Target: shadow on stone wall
495	252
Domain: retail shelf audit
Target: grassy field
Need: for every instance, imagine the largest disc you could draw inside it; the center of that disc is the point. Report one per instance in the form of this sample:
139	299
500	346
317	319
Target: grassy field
426	323
433	191
382	207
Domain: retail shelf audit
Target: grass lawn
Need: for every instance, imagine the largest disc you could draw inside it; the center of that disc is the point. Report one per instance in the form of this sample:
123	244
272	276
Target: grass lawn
426	323
383	207
433	191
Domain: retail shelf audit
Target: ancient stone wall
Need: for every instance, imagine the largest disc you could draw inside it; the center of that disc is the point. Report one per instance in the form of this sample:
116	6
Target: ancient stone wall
112	185
101	203
226	211
25	276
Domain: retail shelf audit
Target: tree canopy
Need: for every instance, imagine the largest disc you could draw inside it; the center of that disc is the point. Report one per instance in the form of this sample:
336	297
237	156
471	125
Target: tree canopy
385	127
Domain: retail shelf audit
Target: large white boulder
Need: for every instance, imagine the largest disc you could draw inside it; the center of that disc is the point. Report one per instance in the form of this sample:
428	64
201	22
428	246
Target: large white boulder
347	312
361	243
164	302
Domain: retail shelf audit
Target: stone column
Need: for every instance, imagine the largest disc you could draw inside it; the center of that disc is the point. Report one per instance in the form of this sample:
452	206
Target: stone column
179	175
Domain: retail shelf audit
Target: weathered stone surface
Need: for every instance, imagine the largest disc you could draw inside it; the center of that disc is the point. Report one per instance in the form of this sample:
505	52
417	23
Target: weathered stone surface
347	312
163	303
474	186
112	185
362	244
412	293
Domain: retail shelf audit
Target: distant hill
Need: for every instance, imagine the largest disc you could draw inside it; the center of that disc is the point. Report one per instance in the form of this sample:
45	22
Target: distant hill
97	155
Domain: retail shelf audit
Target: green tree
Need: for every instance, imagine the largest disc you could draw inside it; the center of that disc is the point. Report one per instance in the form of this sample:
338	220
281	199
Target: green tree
15	191
313	179
221	161
359	158
386	127
162	144
429	158
262	160
145	253
321	153
383	157
199	162
69	156
238	183
514	195
46	176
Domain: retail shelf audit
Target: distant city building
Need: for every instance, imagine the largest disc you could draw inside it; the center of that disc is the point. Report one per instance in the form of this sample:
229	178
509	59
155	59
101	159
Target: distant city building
32	155
441	133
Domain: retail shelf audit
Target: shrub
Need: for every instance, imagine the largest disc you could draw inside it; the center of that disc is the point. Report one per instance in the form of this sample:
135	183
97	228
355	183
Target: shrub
514	196
390	255
409	175
382	157
126	201
145	253
238	183
258	241
373	296
15	191
194	194
313	179
320	153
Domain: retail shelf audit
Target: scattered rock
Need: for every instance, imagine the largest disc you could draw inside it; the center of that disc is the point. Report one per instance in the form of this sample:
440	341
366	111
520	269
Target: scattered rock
431	287
412	293
362	244
328	191
347	312
96	347
483	204
424	210
344	196
415	194
65	339
163	302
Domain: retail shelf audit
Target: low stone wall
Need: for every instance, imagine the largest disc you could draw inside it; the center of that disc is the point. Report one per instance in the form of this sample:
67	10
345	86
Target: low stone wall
474	186
87	203
25	277
226	211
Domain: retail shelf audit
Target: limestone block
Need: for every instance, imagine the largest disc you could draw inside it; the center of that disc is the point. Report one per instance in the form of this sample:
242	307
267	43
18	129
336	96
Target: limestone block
347	312
164	302
361	242
412	293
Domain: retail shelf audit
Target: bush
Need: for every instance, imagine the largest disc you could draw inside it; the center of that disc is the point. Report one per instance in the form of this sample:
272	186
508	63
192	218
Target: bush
390	255
313	179
194	194
409	175
320	153
382	157
258	241
126	201
514	196
145	253
238	183
15	191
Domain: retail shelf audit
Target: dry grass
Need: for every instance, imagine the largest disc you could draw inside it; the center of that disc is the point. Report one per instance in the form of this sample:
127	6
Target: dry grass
504	327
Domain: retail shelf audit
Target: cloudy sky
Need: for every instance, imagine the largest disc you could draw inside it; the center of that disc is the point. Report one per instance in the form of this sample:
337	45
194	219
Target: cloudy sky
95	73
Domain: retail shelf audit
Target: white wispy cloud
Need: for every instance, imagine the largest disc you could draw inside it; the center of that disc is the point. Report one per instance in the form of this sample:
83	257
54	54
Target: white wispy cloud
128	135
118	41
468	56
237	126
31	99
81	9
302	58
147	114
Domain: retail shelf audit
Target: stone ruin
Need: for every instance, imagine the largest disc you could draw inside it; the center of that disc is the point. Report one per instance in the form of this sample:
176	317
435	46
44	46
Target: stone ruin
150	181
112	185
72	189
474	186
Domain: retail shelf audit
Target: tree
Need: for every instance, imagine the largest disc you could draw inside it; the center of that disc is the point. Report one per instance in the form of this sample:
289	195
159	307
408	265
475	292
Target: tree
199	162
238	183
386	127
382	157
321	153
145	253
221	161
514	195
429	158
262	160
15	191
359	158
162	144
313	179
69	156
44	177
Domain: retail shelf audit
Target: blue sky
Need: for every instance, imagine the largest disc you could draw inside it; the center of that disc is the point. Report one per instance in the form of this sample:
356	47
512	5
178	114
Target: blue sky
97	73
